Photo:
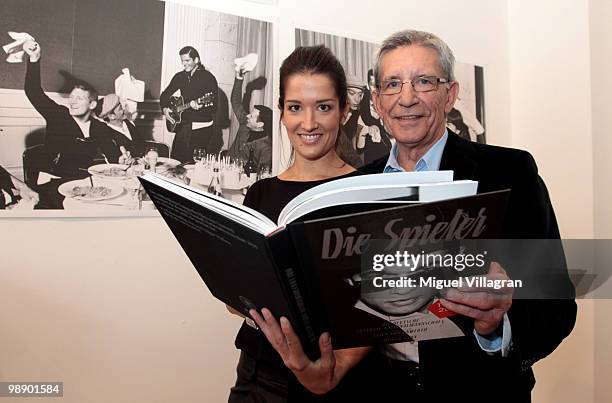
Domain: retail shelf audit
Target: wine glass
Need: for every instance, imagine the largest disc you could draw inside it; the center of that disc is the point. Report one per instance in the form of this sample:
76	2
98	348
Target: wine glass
198	154
151	155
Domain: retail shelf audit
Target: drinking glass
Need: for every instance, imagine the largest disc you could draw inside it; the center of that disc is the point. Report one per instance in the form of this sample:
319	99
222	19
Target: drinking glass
198	154
151	155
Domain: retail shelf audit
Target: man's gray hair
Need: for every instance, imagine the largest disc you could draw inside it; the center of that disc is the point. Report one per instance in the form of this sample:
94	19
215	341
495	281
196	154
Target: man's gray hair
412	37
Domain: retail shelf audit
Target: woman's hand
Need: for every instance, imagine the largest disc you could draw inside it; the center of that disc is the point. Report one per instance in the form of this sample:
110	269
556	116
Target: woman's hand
318	376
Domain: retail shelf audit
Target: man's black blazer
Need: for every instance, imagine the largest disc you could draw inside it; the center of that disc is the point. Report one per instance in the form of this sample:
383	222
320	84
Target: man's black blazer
458	368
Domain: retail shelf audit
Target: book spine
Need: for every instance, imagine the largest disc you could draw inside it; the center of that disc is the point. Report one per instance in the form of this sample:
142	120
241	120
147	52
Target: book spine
289	273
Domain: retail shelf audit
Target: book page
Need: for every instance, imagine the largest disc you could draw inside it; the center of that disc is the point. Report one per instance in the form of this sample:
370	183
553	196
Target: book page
359	194
237	212
379	180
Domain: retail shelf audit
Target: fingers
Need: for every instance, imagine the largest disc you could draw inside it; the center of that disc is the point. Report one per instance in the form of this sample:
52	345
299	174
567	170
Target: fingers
285	341
257	318
485	322
485	328
486	305
497	268
483	300
486	318
327	359
30	46
273	327
292	340
269	326
491	314
500	280
496	274
272	330
296	360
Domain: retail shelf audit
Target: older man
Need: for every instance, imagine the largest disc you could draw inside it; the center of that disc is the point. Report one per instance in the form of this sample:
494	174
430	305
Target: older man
415	90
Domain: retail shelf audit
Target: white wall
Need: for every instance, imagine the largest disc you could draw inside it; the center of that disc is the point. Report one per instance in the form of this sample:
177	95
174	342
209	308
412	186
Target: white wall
551	102
601	87
563	48
115	303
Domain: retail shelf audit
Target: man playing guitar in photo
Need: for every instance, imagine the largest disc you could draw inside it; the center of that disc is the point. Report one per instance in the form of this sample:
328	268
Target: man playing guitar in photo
192	117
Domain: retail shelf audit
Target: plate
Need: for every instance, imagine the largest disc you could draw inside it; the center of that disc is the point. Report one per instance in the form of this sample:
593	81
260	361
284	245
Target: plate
81	190
109	171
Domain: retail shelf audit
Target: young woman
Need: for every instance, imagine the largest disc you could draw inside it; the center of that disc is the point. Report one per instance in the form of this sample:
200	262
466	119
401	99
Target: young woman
313	104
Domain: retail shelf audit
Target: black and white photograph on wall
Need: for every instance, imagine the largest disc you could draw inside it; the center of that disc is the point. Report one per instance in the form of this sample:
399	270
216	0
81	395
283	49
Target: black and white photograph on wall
89	103
363	137
467	118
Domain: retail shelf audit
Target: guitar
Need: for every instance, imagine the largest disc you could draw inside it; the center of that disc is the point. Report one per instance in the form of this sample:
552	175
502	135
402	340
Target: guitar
177	106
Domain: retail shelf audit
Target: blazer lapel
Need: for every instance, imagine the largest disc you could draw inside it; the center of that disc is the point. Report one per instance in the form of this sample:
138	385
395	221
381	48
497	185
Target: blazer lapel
458	156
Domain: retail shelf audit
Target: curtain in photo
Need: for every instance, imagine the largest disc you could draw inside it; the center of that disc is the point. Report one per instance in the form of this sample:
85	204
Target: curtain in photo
356	56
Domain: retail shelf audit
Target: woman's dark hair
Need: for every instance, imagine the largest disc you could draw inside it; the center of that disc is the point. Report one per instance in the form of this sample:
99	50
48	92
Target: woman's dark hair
313	60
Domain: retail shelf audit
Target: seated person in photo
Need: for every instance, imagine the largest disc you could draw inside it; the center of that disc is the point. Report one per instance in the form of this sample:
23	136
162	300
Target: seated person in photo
373	139
125	133
73	140
14	192
352	124
255	130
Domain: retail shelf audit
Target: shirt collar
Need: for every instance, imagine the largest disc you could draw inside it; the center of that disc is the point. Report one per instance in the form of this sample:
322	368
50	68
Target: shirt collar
192	72
428	162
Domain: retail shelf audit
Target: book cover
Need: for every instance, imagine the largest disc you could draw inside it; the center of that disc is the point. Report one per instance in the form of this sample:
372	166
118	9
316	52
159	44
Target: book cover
351	298
317	270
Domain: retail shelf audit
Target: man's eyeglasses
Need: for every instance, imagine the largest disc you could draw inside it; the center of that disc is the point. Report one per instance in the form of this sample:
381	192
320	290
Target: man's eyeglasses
419	84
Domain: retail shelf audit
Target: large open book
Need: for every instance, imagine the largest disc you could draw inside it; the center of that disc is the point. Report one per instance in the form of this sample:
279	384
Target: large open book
314	266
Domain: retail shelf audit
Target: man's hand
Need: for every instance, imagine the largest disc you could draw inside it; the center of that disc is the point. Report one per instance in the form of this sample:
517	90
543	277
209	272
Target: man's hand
33	50
486	305
167	115
125	157
318	376
240	72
